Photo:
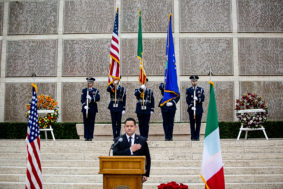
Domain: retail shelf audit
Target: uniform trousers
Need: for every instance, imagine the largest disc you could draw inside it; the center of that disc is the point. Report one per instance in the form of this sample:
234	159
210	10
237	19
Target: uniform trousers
89	124
144	124
168	122
116	123
195	125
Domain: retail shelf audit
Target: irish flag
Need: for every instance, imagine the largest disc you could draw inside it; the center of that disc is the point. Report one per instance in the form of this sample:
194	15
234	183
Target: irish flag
212	172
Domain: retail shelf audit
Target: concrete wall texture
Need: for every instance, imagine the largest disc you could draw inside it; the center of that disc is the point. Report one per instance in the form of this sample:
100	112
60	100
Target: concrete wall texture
64	41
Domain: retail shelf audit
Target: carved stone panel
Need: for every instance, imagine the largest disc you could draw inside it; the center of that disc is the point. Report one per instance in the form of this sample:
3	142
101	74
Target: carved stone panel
89	16
205	16
154	15
0	55
86	57
31	56
224	93
271	92
17	95
1	17
260	15
153	56
261	56
36	17
197	55
71	105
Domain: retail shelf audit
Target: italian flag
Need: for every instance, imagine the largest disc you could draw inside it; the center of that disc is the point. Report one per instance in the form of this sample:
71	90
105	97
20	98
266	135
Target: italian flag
212	172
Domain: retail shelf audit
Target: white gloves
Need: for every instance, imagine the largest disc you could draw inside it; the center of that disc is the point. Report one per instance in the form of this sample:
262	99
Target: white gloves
86	107
116	82
151	112
89	97
123	112
195	98
169	104
193	108
143	87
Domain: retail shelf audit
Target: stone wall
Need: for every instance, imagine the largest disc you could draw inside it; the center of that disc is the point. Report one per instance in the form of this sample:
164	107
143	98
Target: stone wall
64	41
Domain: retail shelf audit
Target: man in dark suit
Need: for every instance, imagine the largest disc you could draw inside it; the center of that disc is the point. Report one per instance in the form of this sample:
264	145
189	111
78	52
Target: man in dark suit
144	108
117	105
89	97
168	111
195	97
133	145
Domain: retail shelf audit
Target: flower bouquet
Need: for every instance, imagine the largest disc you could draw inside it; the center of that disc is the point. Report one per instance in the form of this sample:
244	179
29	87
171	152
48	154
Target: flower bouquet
45	102
173	185
251	101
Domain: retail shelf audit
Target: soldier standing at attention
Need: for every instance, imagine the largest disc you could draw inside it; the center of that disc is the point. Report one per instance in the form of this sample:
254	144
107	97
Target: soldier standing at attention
144	108
89	98
117	105
195	97
168	114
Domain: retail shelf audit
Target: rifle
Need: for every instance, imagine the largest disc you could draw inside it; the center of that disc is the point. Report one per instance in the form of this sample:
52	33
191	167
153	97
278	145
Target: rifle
195	102
86	111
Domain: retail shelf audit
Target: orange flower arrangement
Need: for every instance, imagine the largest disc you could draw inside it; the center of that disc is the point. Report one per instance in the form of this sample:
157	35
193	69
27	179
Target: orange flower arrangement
45	102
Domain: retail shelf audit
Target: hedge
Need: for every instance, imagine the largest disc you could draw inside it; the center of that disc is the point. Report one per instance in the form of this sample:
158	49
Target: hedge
274	129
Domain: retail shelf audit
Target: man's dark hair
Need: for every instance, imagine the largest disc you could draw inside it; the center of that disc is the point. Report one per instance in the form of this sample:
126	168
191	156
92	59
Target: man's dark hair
131	119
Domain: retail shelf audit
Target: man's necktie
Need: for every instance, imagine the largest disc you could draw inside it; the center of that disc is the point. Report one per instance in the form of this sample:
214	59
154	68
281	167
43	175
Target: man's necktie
130	140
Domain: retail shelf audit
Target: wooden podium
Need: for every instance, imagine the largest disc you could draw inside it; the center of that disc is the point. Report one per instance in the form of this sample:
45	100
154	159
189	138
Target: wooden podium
122	172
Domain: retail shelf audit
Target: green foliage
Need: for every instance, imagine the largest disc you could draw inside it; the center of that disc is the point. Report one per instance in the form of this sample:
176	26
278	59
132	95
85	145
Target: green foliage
19	131
274	129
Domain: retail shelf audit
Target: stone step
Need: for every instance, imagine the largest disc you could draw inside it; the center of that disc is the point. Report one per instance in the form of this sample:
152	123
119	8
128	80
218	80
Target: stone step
154	163
61	144
154	170
267	178
17	185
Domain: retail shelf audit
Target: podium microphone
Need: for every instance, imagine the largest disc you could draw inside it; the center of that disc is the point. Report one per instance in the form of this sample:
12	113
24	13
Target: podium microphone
115	144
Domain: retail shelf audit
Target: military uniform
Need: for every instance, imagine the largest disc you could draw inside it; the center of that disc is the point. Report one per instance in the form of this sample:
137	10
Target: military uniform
90	121
195	131
168	111
143	111
116	108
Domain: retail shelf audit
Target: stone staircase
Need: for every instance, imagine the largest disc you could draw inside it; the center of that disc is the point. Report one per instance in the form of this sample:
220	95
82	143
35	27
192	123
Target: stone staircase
73	164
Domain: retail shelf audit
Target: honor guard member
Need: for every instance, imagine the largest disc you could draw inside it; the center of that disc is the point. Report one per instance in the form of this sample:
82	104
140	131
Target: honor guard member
144	108
168	114
117	105
195	97
89	98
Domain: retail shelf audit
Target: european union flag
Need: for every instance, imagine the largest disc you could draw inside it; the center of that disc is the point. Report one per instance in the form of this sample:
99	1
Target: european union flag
171	89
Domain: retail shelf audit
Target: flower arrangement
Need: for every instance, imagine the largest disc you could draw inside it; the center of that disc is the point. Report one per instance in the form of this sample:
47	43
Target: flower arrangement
45	102
173	185
251	101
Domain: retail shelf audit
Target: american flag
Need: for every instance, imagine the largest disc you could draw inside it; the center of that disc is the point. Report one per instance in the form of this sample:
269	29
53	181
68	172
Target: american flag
114	67
33	174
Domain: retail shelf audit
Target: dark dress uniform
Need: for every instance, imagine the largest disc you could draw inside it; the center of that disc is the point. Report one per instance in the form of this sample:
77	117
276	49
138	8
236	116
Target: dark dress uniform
143	111
199	110
123	148
168	115
90	121
116	108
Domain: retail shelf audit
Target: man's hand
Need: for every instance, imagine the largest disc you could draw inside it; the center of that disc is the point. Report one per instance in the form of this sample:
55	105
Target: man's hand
193	108
116	82
123	112
143	87
135	147
86	107
144	178
195	98
89	97
151	112
169	104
